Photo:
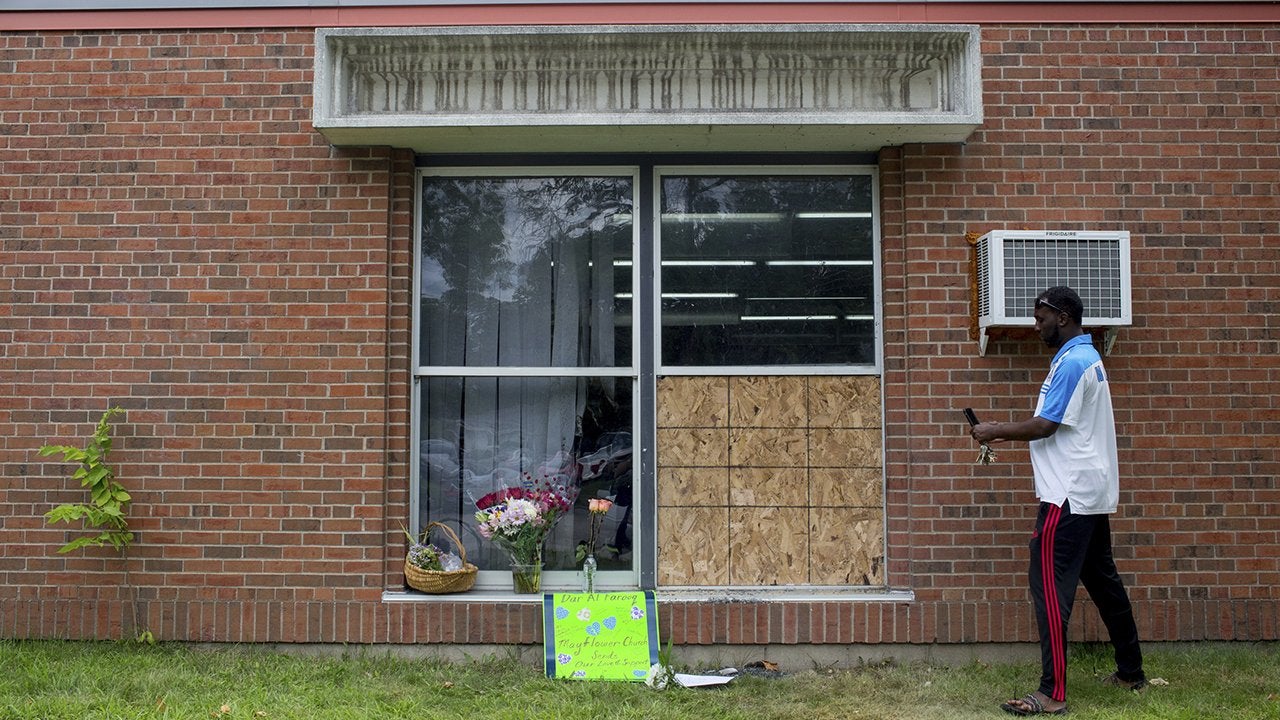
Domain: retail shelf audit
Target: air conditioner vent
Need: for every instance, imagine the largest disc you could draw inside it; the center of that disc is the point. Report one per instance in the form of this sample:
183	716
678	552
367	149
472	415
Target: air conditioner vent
1015	266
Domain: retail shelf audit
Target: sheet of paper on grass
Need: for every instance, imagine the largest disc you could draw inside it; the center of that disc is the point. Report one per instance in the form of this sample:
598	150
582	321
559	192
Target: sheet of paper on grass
600	636
690	681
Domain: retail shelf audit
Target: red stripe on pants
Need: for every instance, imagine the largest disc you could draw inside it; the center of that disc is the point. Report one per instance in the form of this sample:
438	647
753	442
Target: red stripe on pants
1053	603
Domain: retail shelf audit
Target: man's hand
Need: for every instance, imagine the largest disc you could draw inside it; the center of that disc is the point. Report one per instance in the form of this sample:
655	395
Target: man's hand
986	433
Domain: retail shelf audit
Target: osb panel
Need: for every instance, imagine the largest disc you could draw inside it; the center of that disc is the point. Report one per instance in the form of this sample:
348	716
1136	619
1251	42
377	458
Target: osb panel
693	402
693	546
772	447
770	481
845	401
693	486
769	546
701	447
837	447
847	546
768	402
768	487
846	487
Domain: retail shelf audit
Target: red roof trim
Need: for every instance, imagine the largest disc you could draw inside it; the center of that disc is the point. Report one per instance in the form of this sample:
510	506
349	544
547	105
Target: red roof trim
648	13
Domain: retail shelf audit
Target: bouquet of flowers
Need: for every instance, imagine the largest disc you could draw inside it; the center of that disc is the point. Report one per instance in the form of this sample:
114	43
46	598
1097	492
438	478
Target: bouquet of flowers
519	520
424	557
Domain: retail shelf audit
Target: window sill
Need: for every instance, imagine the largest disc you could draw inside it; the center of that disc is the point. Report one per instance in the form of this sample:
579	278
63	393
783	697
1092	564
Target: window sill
678	595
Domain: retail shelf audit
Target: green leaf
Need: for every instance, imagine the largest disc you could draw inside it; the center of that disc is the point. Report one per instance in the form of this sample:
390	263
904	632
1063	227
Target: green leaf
101	495
108	497
97	475
70	454
67	513
75	545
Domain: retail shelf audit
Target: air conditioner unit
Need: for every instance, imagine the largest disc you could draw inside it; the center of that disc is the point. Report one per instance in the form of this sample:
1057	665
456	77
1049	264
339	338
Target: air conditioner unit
1014	266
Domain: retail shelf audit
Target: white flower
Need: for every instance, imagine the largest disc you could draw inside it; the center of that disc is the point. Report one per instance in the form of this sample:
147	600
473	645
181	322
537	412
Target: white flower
660	676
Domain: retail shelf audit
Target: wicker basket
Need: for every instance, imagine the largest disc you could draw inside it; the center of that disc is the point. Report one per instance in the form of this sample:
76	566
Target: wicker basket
439	582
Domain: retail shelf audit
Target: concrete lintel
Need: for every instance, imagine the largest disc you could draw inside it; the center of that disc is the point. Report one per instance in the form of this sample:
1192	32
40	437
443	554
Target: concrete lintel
642	88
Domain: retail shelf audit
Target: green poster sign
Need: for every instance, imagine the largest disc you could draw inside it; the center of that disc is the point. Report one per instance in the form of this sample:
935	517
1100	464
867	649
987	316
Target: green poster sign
600	636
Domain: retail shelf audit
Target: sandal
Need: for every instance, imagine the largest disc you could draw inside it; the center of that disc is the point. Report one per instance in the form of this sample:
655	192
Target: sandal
1031	706
1114	680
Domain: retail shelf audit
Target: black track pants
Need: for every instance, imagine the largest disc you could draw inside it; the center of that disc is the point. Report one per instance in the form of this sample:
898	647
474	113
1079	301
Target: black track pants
1065	551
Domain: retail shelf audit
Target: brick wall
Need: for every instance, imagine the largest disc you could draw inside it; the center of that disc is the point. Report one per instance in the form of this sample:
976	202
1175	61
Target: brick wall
176	239
1169	133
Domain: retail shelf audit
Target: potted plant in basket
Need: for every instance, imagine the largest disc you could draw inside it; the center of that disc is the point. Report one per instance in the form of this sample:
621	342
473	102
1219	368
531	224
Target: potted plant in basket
430	568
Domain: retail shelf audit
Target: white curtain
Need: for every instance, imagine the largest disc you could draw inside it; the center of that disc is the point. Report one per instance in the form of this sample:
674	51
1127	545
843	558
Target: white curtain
529	284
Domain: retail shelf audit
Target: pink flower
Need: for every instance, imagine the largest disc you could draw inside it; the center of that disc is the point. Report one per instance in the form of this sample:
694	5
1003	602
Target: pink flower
598	507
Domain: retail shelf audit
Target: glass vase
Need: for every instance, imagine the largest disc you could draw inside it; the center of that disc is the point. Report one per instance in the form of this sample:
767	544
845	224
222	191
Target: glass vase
589	568
526	573
526	579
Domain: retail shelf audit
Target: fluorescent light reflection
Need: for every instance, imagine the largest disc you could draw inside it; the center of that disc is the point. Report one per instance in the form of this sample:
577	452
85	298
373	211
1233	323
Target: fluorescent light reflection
684	296
808	298
762	216
818	263
792	318
708	263
724	217
831	215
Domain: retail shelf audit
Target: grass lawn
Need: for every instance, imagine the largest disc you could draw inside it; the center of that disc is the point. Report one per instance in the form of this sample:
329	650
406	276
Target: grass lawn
105	680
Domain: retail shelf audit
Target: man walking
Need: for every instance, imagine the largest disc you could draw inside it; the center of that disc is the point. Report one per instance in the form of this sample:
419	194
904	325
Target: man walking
1073	456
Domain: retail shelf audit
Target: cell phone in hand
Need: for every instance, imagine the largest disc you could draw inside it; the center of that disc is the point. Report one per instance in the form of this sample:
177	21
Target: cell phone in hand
971	417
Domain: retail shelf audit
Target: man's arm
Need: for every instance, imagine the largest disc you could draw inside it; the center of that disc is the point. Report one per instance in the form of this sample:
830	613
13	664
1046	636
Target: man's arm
1033	428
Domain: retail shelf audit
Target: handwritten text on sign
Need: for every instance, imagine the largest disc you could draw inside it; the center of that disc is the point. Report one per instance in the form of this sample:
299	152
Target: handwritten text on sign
600	636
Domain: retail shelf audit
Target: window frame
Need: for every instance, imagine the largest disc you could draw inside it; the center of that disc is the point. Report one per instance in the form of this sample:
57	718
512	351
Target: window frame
646	173
874	368
498	580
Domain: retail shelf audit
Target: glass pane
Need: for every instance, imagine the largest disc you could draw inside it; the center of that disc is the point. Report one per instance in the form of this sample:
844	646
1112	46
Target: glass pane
526	271
767	270
481	435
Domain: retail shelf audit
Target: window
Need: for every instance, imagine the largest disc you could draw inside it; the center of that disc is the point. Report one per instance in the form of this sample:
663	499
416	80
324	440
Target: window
547	311
767	269
525	352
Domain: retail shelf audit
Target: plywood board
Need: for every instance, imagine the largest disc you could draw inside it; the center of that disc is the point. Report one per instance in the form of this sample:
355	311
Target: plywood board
846	487
693	447
769	546
770	447
693	546
693	402
839	447
848	546
680	486
768	402
768	487
770	481
845	402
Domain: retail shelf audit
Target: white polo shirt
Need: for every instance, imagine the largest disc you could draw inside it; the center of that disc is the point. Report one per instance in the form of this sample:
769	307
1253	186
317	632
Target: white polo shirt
1078	462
